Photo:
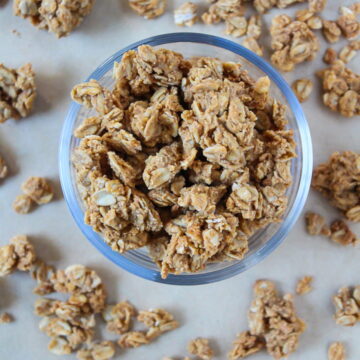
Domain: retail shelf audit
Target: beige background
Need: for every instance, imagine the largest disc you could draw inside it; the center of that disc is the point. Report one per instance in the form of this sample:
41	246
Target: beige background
218	311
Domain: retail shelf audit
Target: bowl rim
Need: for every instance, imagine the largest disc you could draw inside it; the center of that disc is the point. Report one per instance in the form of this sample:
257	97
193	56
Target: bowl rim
238	267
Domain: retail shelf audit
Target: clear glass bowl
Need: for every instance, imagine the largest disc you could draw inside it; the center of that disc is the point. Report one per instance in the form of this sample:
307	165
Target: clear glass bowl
262	243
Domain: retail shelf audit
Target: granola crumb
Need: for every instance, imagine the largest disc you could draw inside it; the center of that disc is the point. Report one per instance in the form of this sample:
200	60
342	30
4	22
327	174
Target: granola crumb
38	189
59	17
315	224
302	88
186	14
104	350
336	351
3	168
133	339
304	285
348	52
17	92
337	180
201	348
22	204
244	345
330	56
347	305
6	318
148	9
341	233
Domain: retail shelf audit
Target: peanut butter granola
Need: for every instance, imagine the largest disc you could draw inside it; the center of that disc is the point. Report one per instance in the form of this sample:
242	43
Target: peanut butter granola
60	17
339	181
347	304
273	324
182	157
293	42
17	92
341	88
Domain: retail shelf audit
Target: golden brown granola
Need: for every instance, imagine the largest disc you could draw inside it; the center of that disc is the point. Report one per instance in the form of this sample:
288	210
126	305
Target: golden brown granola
315	224
317	5
186	14
339	180
103	350
244	345
201	348
252	44
341	234
330	56
60	17
22	204
181	156
313	20
341	89
6	318
348	52
236	25
3	168
302	88
17	92
347	305
221	10
336	351
263	6
118	317
348	23
304	285
149	9
293	42
38	189
133	339
331	31
273	324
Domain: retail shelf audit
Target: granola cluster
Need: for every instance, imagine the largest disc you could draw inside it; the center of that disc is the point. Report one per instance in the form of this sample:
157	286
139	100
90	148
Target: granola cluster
341	88
339	181
263	6
302	88
201	348
304	285
36	190
60	17
273	324
189	157
4	170
186	14
17	92
293	42
336	351
149	9
347	304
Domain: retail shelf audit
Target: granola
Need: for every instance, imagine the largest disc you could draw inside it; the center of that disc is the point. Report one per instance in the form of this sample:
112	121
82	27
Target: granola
347	305
315	224
338	180
252	44
330	56
104	350
186	14
304	285
6	318
331	31
183	156
302	88
273	324
348	52
293	42
263	6
3	168
133	339
341	234
118	317
38	189
317	5
149	9
60	17
201	348
336	351
22	204
348	23
17	92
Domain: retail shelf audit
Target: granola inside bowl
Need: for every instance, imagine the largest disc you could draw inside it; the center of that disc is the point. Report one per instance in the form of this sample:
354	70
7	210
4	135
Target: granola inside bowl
186	159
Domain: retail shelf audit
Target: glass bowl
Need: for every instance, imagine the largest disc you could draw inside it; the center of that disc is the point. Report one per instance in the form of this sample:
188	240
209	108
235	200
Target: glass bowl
262	243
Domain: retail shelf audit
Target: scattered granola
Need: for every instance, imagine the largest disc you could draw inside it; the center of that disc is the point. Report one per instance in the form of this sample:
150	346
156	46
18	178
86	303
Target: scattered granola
6	318
211	148
348	23
330	56
149	9
315	224
272	322
348	52
341	234
22	204
263	6
244	345
104	350
119	317
293	42
17	92
38	189
201	348
336	351
317	5
133	339
60	17
304	285
338	180
3	168
310	18
331	31
186	14
302	88
347	304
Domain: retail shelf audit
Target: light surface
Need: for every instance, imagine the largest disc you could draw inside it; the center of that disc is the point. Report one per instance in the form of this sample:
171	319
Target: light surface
217	310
